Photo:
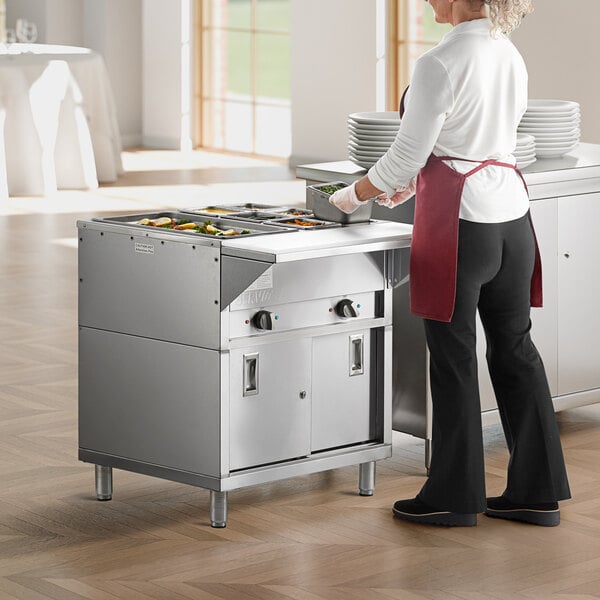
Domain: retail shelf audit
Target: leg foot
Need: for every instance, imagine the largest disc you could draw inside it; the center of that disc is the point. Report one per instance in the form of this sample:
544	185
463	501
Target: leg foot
366	478
103	482
218	509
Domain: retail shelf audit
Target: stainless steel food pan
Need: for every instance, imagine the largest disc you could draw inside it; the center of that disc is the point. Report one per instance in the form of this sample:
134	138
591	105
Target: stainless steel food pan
292	211
251	206
257	215
322	209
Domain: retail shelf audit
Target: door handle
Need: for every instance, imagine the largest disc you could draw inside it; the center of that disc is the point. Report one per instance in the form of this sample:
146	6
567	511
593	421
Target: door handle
356	362
250	374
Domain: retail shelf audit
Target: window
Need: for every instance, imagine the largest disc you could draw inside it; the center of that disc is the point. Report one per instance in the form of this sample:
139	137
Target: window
412	31
244	95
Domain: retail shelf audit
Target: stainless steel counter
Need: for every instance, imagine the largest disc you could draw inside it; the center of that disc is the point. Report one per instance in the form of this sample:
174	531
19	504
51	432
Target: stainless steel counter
302	245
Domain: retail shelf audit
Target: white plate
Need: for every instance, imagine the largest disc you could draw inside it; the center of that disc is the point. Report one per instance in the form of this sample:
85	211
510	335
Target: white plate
522	151
524	137
522	165
524	158
370	147
525	149
376	118
554	147
376	141
371	139
530	139
368	156
562	134
547	120
362	163
373	130
374	156
574	133
377	152
552	153
553	131
552	105
518	151
533	127
382	126
556	142
549	115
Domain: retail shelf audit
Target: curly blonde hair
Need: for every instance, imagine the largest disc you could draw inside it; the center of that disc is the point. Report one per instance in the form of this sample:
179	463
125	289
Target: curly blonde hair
506	15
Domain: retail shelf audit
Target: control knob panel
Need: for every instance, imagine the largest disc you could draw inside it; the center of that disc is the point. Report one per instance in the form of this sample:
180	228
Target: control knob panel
263	319
346	308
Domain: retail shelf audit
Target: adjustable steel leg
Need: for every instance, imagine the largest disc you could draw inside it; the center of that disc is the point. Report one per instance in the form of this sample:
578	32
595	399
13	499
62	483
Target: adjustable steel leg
428	454
103	482
366	478
218	509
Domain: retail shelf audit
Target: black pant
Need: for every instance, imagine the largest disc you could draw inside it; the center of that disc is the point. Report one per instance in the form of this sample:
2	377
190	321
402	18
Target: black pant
495	263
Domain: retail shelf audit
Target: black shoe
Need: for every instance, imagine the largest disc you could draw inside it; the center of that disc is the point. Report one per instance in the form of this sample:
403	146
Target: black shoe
416	511
546	514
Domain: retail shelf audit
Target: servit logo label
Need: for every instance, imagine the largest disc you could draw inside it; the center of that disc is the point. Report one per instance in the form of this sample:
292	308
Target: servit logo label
144	248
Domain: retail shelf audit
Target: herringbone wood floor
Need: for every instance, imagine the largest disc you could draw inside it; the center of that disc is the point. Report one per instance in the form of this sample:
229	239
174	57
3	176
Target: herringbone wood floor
308	538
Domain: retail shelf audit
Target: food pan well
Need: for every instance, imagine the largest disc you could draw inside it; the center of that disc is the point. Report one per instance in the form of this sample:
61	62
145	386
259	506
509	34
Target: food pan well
290	211
256	215
319	196
252	206
305	223
211	228
212	210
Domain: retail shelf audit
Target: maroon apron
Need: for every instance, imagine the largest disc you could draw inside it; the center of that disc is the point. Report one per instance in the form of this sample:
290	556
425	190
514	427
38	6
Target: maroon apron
434	246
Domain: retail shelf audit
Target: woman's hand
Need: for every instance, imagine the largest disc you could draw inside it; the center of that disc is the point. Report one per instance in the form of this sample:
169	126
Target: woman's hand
346	199
402	195
350	198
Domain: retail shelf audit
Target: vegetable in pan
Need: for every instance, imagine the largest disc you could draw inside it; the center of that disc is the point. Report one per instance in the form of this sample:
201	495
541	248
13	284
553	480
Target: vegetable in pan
330	189
206	227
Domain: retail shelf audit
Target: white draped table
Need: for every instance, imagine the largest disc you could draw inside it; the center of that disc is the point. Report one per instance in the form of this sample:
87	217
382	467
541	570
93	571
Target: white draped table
58	123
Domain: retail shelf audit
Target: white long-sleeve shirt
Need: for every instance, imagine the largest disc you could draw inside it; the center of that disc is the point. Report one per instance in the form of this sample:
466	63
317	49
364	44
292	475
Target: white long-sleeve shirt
465	100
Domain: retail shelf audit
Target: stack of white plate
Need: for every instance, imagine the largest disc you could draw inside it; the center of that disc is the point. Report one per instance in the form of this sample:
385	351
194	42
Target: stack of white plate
370	134
554	124
524	150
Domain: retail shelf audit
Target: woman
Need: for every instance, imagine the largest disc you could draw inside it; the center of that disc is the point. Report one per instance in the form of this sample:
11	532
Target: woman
473	248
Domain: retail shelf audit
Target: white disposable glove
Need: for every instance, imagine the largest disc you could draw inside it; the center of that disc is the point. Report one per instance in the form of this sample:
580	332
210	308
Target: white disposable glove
346	199
402	195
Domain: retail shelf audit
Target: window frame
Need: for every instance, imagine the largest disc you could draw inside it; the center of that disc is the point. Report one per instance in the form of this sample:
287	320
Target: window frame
398	50
201	27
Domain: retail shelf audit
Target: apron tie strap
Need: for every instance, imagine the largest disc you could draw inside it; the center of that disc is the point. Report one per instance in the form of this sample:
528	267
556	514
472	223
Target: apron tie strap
482	163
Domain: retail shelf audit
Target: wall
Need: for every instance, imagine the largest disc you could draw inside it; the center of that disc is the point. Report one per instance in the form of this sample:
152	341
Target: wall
333	73
63	22
167	90
561	47
114	29
32	10
57	21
